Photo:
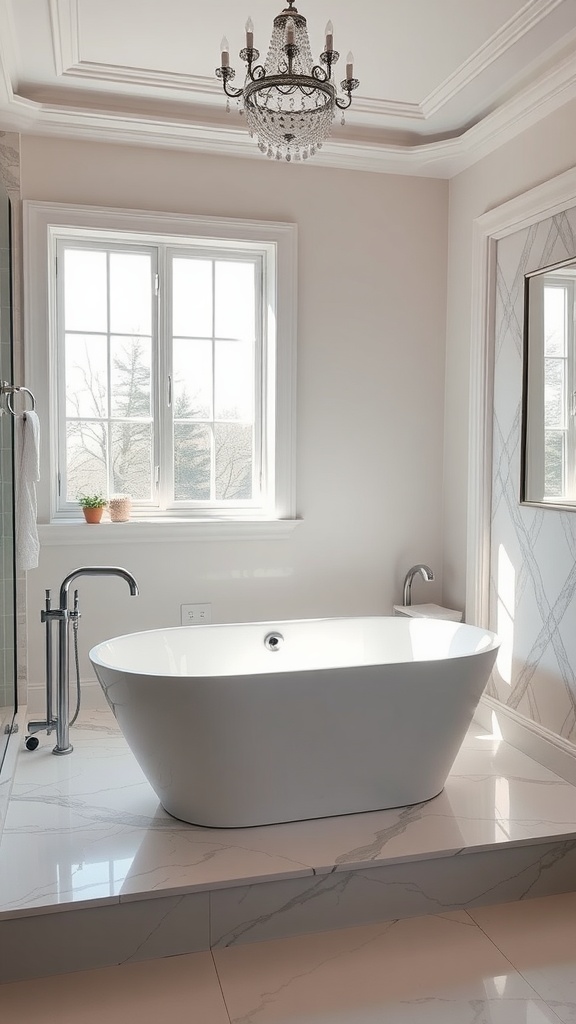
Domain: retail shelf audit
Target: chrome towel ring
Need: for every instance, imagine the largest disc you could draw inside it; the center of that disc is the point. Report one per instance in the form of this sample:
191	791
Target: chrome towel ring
9	390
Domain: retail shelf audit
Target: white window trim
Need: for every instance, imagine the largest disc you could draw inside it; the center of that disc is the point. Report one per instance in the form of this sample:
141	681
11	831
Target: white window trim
533	490
39	220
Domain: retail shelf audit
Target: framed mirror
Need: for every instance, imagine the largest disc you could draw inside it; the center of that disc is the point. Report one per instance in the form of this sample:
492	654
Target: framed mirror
548	476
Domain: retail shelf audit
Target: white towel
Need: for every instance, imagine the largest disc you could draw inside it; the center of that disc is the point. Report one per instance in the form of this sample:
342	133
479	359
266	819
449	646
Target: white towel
27	543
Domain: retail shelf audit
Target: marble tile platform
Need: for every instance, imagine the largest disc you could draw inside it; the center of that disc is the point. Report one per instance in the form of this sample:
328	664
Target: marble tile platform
94	873
511	964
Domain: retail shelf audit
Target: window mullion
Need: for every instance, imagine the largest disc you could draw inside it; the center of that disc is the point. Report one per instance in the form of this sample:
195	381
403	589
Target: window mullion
213	432
111	487
60	388
261	398
165	361
571	396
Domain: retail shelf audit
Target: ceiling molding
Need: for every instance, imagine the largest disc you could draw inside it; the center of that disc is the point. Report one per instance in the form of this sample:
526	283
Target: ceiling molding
492	50
65	31
205	127
64	19
8	54
148	78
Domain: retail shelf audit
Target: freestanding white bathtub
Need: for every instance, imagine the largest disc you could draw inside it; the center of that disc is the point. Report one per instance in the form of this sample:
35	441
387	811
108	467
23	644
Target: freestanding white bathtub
255	723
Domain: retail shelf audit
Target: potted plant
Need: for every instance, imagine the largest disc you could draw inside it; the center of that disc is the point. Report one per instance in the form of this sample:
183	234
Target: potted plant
93	506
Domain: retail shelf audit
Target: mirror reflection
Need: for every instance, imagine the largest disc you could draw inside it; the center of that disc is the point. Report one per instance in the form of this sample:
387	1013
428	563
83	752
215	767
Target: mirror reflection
549	399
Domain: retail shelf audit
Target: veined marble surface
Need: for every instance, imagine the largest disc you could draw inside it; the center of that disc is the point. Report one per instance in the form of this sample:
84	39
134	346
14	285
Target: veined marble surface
88	829
511	964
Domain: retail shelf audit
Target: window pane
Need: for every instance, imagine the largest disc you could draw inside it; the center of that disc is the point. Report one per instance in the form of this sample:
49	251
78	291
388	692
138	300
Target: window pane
554	463
192	368
554	392
131	373
192	298
86	375
234	385
554	321
132	460
86	445
233	444
234	290
130	293
192	461
85	305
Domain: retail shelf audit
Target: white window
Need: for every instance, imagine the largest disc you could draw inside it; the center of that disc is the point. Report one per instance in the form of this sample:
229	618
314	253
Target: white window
550	413
170	355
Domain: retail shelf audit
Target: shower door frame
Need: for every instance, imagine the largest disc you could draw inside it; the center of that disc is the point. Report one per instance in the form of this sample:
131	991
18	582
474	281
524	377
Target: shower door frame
8	567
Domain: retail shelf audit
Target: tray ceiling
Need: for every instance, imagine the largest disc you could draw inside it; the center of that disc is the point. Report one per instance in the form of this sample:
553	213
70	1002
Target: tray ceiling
441	84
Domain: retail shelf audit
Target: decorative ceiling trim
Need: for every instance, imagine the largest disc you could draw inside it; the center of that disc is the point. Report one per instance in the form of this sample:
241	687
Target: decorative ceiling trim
207	130
441	158
64	25
97	71
8	53
492	50
177	80
64	19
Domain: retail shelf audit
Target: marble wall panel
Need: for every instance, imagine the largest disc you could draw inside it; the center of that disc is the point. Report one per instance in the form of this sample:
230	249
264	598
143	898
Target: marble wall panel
533	550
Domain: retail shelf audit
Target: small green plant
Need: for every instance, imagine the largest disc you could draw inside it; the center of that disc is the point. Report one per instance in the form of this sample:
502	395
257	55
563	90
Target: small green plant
92	500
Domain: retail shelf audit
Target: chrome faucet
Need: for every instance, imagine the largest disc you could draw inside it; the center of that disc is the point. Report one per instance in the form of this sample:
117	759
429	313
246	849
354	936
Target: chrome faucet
424	571
63	615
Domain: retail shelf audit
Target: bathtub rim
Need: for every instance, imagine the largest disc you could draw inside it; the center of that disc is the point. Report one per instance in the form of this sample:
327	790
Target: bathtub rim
272	625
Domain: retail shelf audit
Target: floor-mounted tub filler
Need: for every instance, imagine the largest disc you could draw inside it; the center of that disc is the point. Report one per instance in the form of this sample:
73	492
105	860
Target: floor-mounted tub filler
259	723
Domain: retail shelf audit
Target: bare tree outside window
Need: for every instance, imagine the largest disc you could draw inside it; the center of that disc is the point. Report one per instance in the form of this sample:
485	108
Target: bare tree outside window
111	430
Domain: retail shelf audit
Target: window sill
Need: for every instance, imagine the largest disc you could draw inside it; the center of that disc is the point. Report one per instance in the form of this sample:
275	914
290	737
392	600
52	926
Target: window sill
144	531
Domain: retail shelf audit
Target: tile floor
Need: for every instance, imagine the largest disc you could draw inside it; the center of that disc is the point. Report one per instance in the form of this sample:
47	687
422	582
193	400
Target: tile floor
509	964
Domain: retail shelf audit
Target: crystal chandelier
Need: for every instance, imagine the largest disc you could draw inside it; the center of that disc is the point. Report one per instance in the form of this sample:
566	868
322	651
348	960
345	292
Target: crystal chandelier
289	101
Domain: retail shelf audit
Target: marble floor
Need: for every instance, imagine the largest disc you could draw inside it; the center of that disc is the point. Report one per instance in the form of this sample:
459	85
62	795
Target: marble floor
507	964
108	905
87	829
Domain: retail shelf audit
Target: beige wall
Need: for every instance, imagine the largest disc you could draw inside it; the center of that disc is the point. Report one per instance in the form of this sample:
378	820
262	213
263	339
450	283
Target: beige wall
371	329
533	157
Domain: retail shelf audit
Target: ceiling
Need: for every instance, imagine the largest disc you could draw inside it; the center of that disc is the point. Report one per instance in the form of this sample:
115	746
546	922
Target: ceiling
442	82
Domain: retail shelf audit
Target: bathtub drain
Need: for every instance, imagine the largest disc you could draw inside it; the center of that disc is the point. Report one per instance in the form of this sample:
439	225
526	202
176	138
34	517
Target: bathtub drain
273	641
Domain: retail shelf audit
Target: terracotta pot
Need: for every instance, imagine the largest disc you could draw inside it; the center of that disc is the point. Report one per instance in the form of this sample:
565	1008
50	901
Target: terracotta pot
93	515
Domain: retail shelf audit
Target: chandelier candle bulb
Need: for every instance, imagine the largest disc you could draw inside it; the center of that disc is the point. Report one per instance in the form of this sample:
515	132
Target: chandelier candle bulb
349	66
329	37
249	34
225	53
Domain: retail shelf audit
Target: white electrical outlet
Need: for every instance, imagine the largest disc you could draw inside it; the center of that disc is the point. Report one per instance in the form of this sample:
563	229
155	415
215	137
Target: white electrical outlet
195	614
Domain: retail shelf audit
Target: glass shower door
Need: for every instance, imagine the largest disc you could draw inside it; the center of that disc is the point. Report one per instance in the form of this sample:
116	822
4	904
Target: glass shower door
7	571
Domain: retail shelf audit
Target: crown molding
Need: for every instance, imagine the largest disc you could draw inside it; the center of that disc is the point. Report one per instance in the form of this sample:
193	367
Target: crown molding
492	50
64	20
64	25
441	158
206	130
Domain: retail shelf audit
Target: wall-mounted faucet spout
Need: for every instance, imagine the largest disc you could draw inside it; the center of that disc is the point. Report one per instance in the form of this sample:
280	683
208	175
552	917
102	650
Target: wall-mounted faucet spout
424	571
96	570
63	615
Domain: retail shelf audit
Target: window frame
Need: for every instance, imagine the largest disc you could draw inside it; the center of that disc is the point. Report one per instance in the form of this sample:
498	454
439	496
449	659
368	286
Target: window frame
45	223
534	429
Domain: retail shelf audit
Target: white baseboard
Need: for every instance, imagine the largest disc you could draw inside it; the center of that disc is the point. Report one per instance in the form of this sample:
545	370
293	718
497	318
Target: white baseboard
540	743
